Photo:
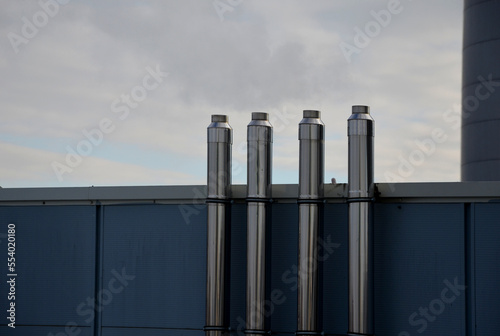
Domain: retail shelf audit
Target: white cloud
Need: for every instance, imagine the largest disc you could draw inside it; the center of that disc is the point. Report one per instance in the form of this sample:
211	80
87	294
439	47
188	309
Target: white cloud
265	56
28	167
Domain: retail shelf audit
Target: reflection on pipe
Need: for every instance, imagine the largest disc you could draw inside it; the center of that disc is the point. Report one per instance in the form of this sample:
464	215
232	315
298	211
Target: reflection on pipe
361	193
219	186
311	177
259	161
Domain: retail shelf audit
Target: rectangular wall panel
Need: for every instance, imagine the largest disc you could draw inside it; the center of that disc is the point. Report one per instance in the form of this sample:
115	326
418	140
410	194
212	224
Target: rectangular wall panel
419	269
487	267
55	255
334	252
238	267
160	258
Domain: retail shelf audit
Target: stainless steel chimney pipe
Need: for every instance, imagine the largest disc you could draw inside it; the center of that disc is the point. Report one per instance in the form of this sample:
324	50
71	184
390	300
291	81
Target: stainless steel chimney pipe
311	181
360	198
219	135
259	164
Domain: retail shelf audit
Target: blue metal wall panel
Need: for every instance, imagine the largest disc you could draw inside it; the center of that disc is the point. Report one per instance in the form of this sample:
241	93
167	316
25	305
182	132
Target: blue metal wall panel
55	255
281	306
334	250
419	253
282	303
487	276
167	258
238	267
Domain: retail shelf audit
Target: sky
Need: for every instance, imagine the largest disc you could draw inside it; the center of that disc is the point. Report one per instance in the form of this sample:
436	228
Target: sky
121	92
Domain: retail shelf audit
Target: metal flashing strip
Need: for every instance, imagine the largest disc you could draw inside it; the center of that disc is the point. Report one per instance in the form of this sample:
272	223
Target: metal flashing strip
421	192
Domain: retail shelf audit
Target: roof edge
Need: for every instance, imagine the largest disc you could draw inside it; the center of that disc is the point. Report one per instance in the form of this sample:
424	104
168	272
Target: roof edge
184	193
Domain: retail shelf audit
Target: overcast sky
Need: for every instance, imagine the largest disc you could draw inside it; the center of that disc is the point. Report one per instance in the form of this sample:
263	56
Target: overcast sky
121	92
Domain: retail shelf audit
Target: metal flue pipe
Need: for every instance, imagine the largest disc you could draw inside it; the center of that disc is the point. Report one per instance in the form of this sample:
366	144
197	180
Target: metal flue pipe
218	206
360	198
259	163
311	181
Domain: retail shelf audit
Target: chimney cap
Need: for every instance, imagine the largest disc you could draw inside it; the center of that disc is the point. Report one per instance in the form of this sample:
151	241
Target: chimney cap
260	116
312	114
219	118
360	109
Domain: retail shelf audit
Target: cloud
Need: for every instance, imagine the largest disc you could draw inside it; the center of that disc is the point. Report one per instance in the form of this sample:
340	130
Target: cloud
28	167
264	56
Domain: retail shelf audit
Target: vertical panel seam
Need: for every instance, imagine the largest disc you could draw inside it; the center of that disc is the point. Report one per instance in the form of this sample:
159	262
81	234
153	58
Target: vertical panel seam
98	268
470	261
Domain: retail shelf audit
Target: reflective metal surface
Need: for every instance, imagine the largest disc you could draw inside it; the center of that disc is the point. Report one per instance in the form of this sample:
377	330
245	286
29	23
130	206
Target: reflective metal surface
259	156
311	181
219	186
360	132
220	138
256	266
311	164
259	161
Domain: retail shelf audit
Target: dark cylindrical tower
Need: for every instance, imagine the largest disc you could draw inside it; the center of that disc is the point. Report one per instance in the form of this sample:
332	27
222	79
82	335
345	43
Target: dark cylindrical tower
481	91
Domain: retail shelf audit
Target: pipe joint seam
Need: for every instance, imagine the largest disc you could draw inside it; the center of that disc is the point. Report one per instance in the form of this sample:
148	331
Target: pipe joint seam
218	200
310	201
215	328
361	200
259	200
257	332
312	333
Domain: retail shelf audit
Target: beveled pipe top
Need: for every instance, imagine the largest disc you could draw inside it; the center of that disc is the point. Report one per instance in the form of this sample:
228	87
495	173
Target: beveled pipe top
312	114
220	118
260	116
360	109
